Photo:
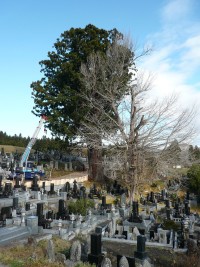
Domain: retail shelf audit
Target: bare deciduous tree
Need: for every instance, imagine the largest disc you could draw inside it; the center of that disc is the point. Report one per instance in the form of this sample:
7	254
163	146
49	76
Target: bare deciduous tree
135	131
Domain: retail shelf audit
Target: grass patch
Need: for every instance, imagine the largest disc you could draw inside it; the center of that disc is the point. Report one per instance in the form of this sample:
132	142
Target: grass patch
32	255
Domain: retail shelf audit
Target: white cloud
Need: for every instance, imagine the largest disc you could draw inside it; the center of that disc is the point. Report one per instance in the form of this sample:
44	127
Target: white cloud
175	60
190	59
176	10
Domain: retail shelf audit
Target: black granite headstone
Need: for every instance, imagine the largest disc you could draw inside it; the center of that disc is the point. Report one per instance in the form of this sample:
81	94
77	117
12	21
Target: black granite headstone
98	230
52	188
135	209
135	213
40	213
50	214
187	208
1	188
188	195
96	244
151	233
7	211
140	253
168	214
95	257
27	206
15	202
67	186
125	233
177	210
43	185
8	188
75	187
103	201
34	185
61	207
141	231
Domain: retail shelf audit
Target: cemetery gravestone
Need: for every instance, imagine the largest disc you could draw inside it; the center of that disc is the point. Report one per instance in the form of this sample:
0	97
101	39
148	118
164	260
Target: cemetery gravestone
32	224
187	208
95	257
106	263
40	213
51	192
67	187
51	164
51	251
56	165
43	186
27	206
70	166
34	186
103	201
140	253
1	187
66	167
7	189
123	200
75	251
61	209
15	202
75	187
123	262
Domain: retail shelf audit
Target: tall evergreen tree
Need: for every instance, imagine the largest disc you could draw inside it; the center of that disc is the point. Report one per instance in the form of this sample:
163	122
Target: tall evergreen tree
57	94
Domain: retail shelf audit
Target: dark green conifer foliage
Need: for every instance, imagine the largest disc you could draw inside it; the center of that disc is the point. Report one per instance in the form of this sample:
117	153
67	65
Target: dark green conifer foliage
56	93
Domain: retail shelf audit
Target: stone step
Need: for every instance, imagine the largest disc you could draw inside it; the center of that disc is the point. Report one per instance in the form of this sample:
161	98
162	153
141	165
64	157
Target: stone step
14	238
9	232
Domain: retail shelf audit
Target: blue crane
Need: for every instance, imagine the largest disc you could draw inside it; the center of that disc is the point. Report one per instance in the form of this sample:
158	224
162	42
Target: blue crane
25	156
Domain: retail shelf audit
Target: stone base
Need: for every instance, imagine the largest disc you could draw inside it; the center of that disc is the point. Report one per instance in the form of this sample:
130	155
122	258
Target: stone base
142	263
140	255
96	259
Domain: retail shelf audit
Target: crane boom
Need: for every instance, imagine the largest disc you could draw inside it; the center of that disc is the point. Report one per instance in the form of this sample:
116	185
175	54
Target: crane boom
31	143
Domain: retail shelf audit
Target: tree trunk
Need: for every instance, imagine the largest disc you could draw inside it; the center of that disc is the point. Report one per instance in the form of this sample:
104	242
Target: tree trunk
95	171
132	194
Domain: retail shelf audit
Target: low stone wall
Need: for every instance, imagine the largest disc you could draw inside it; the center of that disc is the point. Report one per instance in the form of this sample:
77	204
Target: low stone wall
134	242
80	178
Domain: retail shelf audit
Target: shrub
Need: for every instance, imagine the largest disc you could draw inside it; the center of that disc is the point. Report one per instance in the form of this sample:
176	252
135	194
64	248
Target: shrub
80	206
169	224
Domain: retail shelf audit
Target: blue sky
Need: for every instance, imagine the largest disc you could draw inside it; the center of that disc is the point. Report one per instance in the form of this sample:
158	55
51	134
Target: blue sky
30	28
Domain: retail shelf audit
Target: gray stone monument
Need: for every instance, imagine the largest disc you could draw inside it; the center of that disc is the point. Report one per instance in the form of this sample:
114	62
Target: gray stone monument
106	263
32	224
51	251
75	251
123	262
66	167
56	165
